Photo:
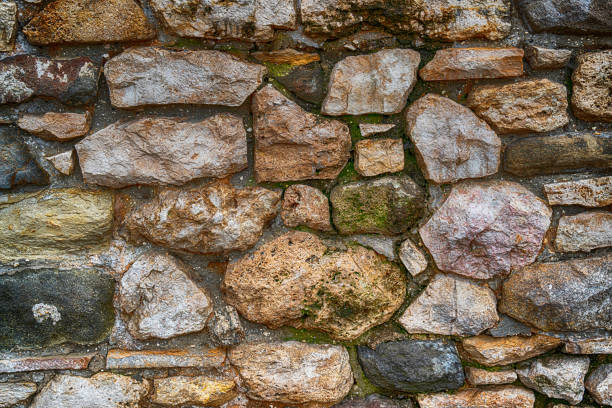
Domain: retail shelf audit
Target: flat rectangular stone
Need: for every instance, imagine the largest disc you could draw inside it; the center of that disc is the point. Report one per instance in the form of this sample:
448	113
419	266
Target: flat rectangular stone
40	363
593	192
584	232
600	345
451	64
207	358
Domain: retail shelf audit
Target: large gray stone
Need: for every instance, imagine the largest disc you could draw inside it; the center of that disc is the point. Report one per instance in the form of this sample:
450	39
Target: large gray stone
12	393
599	384
568	16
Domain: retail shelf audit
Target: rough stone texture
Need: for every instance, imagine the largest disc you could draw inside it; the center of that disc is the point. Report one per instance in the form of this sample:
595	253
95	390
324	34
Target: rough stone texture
538	105
287	56
160	300
451	306
210	219
305	205
568	16
599	384
225	327
63	162
445	20
450	142
36	363
54	222
157	76
293	144
201	391
17	165
509	396
13	393
369	129
451	64
584	232
163	151
591	98
540	58
571	295
103	390
80	21
373	83
72	81
494	351
592	192
217	19
381	244
389	205
82	300
307	82
486	229
412	257
55	125
413	365
595	345
375	401
478	376
554	154
8	25
202	358
556	376
296	280
507	326
294	373
379	156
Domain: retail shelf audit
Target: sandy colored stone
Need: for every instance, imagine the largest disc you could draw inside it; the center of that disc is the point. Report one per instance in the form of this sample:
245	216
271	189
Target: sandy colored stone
299	281
592	192
55	125
379	156
158	76
451	64
599	384
81	21
305	205
293	144
486	229
591	96
478	376
12	393
451	143
293	373
8	25
53	362
373	83
369	129
595	345
192	357
63	162
509	396
412	257
541	58
451	305
163	151
213	218
201	390
537	105
496	351
584	232
287	56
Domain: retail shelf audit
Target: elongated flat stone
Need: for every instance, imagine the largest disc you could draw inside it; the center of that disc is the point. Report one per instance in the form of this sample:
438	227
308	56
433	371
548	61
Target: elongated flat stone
205	358
592	192
568	16
451	64
200	390
369	129
584	232
55	125
595	345
479	376
508	396
58	362
8	25
496	351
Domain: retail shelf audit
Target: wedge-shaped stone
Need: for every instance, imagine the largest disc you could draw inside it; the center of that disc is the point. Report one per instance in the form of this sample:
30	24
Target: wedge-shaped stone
157	76
8	25
495	351
584	232
412	257
509	396
55	125
12	393
591	98
592	192
63	162
369	129
36	363
479	376
451	64
568	16
545	58
17	164
204	358
379	156
201	391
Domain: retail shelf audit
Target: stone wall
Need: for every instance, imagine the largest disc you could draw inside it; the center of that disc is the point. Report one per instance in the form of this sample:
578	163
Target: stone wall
353	203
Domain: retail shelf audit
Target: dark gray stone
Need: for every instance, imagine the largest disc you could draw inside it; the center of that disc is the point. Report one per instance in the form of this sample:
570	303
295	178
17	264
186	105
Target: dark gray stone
375	401
306	82
413	365
17	165
507	326
568	16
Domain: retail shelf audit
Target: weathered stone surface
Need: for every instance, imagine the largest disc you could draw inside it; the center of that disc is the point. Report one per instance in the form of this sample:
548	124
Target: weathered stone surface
485	229
571	295
540	58
450	142
210	219
8	25
478	376
79	21
287	56
373	83
412	257
572	16
103	390
378	156
494	351
225	327
35	363
54	222
595	345
591	98
599	384
219	20
442	20
592	192
369	129
375	401
305	205
380	243
389	205
556	376
160	300
307	82
157	76
584	232
63	162
17	165
413	365
507	326
13	393
72	81
451	306
55	125
294	373
201	391
509	396
80	299
537	105
293	144
451	64
296	280
163	151
202	358
554	154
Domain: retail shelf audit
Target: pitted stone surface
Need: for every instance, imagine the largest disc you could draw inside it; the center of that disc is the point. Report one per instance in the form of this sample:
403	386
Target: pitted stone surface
591	192
8	25
200	390
591	98
305	205
584	232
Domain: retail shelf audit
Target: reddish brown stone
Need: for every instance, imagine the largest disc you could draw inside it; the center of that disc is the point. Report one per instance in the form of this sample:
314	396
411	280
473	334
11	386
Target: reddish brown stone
66	362
452	64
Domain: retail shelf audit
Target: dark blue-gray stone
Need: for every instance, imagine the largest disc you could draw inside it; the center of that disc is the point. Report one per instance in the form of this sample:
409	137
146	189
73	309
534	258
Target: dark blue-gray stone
17	165
568	16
